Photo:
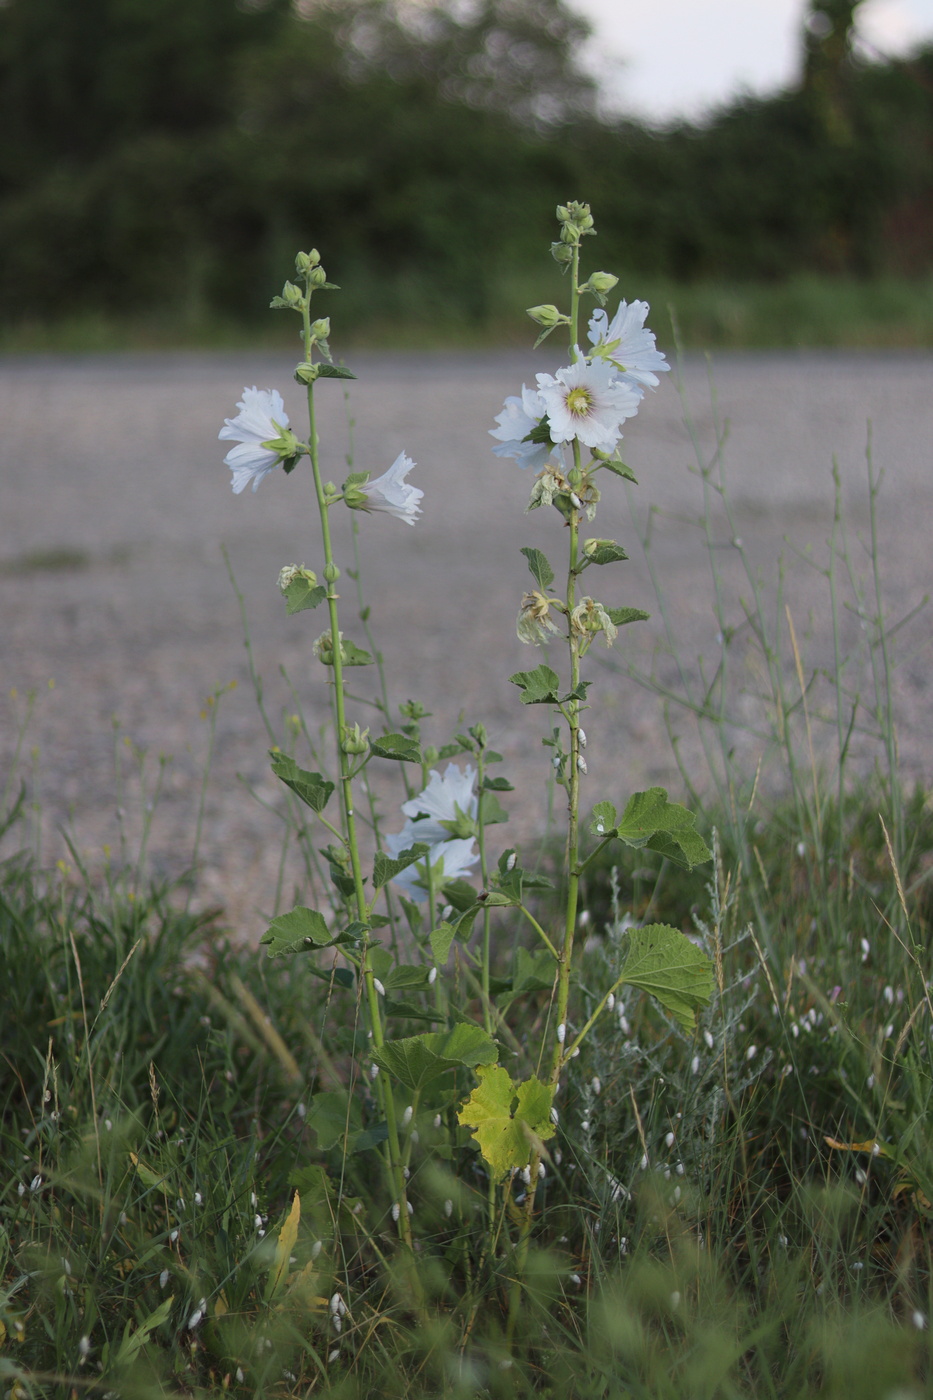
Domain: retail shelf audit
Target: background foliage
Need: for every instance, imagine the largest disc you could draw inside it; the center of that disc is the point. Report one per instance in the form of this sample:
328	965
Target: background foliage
161	152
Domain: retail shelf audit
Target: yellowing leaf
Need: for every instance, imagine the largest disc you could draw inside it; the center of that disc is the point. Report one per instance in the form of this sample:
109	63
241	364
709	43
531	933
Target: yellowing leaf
509	1121
283	1250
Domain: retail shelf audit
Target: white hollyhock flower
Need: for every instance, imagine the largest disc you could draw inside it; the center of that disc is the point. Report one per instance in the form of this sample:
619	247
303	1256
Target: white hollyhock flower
589	403
391	492
448	860
518	418
627	343
261	420
438	812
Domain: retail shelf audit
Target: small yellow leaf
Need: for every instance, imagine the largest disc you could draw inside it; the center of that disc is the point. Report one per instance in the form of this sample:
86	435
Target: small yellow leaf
283	1250
877	1149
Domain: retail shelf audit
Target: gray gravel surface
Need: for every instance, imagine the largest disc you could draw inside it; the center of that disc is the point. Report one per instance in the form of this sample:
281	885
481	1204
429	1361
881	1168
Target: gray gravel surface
113	464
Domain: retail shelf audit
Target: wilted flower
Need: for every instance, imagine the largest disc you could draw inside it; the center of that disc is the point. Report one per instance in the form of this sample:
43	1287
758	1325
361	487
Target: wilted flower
590	617
535	625
626	343
519	419
447	807
588	402
391	493
261	430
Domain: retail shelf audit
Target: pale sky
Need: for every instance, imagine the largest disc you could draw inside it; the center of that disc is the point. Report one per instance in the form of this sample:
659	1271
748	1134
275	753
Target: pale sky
670	58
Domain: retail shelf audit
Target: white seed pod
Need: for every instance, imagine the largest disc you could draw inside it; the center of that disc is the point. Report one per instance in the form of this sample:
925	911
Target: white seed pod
542	1171
610	1001
510	863
407	1115
561	1033
379	987
581	763
432	976
581	738
396	1210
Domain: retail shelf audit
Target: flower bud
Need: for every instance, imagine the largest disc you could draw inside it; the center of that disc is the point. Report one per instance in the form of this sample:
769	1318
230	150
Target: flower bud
320	330
561	253
317	277
354	740
291	572
548	315
601	282
331	573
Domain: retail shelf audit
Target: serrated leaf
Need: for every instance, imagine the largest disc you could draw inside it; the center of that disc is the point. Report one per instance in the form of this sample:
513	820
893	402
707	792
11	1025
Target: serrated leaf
460	894
509	1121
332	1115
497	785
297	931
538	687
396	746
441	938
419	1060
313	789
405	976
353	655
284	1247
620	469
663	962
540	568
651	820
533	972
622	616
301	593
326	371
385	868
606	552
605	819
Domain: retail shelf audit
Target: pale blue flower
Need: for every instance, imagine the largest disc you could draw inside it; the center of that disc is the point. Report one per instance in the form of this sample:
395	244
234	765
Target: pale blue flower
516	421
626	343
589	403
448	860
445	806
392	494
261	420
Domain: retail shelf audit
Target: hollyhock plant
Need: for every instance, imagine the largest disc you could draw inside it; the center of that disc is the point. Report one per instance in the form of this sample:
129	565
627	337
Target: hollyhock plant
390	492
588	403
626	343
260	429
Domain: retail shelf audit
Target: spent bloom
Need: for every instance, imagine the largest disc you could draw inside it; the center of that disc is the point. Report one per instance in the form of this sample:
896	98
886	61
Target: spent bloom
447	807
535	626
391	493
589	403
626	343
260	430
518	420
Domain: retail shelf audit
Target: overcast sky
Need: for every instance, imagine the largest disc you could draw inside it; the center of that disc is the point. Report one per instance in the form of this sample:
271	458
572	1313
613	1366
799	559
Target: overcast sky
671	58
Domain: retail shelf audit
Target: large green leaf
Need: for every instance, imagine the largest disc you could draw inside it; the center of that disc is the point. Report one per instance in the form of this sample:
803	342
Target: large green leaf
302	929
301	593
418	1060
651	821
622	616
663	961
509	1121
385	868
313	789
538	687
396	746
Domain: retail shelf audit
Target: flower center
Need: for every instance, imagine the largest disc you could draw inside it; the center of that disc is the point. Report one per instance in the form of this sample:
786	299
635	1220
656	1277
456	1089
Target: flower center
579	402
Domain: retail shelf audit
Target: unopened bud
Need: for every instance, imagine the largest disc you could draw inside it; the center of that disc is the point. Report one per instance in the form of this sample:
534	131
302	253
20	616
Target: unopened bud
547	316
317	277
600	282
561	253
320	330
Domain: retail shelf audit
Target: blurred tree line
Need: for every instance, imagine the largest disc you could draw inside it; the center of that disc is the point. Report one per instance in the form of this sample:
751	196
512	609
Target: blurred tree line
175	153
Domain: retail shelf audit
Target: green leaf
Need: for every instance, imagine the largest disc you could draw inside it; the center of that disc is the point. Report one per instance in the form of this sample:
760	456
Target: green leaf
326	371
313	789
405	976
534	972
396	746
386	869
497	785
354	655
297	931
663	962
509	1121
605	819
539	566
441	938
489	810
284	1246
133	1342
301	593
418	1060
622	616
606	552
332	1115
614	465
538	687
460	894
651	820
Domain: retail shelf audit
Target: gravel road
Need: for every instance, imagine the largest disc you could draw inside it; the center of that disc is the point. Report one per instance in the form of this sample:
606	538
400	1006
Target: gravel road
115	505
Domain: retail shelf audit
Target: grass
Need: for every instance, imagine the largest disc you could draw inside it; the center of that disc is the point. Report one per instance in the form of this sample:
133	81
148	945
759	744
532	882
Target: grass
805	312
736	1214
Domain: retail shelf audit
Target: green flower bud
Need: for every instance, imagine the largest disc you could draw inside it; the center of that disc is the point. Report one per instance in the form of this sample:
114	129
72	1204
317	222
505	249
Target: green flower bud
291	572
307	374
320	330
331	573
292	294
561	253
548	316
601	281
317	277
591	546
354	740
